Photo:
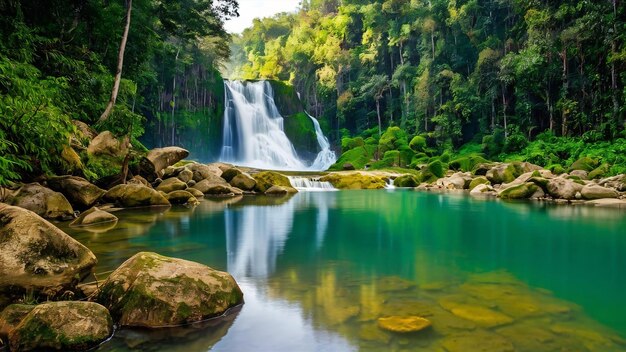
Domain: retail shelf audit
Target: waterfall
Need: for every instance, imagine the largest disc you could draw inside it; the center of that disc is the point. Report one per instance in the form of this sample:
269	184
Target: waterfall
254	135
308	184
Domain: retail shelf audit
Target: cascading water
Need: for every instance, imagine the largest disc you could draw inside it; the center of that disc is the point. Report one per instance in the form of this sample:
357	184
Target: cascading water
254	135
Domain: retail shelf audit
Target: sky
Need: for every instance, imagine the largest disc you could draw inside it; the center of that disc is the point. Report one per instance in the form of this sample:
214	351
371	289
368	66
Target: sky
251	9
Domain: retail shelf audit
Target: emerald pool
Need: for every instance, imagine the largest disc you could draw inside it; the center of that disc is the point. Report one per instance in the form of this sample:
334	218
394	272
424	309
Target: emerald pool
318	270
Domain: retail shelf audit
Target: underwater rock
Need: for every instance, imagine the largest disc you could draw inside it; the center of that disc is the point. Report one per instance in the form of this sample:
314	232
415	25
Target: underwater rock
477	341
64	326
42	201
403	324
482	316
150	290
94	216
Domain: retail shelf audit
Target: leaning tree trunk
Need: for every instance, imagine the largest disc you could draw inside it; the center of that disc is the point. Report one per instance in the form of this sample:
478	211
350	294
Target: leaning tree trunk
120	63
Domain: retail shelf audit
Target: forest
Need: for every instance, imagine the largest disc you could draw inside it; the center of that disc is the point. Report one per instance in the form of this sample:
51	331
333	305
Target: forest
541	81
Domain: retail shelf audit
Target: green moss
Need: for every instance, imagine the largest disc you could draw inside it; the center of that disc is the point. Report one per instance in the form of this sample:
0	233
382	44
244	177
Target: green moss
390	159
301	132
393	139
418	144
358	157
600	172
585	163
467	163
437	168
265	180
286	98
406	181
523	191
481	180
556	169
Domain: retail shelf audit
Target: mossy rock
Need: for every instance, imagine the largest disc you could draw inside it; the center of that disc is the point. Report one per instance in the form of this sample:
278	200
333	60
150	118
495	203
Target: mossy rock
62	326
182	198
403	324
266	179
300	130
351	143
437	168
80	192
393	139
231	173
556	169
94	216
406	181
503	173
390	159
286	98
522	191
171	185
354	180
480	180
150	290
358	157
585	163
467	163
600	172
134	195
43	201
11	316
418	144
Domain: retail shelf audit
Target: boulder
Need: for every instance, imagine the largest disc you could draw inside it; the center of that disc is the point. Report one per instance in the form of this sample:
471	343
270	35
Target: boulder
206	184
522	191
139	180
265	180
11	316
94	216
62	326
616	182
132	195
105	144
403	324
231	173
480	180
277	191
406	181
186	175
592	192
196	193
223	190
35	256
182	198
581	174
171	185
483	190
243	181
354	180
585	163
164	157
348	167
201	171
43	201
562	188
71	160
150	290
599	172
455	181
171	171
80	192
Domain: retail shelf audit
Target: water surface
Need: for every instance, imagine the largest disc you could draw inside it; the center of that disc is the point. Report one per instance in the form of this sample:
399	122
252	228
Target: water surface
319	269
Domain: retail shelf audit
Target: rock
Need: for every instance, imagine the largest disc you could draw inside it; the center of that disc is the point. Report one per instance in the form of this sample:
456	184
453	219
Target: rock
403	324
406	181
223	190
212	181
11	316
483	190
171	185
616	182
456	181
581	174
105	144
150	290
196	193
43	201
77	190
71	159
481	315
608	203
482	168
477	341
591	192
186	175
243	181
348	167
507	173
585	163
523	191
599	172
65	326
277	191
129	196
265	180
231	173
182	198
563	188
171	171
94	216
139	180
201	171
85	130
191	183
164	157
36	256
354	180
480	180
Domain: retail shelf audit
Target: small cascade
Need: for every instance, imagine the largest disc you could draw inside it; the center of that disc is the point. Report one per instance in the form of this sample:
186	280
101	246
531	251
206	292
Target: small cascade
308	184
326	157
390	184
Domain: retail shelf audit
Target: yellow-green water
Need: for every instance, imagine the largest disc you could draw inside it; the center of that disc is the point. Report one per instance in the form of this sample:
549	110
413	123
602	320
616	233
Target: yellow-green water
319	269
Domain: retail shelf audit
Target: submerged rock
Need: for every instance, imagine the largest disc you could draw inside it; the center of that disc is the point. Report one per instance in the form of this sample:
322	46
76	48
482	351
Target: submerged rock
35	256
77	190
134	195
477	341
42	201
164	157
481	315
151	290
94	216
403	324
62	326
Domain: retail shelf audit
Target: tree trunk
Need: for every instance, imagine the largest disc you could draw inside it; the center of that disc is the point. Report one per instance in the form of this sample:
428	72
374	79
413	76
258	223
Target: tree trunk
616	106
504	103
564	93
380	129
120	63
174	99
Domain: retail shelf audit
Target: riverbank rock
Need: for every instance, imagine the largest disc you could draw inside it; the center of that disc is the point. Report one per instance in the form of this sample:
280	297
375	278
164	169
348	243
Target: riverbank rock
164	157
354	180
94	216
11	316
186	175
209	182
229	174
223	190
480	180
182	198
80	192
171	185
507	173
150	290
406	181
562	188
591	192
134	195
403	324
277	191
42	201
243	181
483	190
266	179
522	191
62	326
36	256
616	182
105	144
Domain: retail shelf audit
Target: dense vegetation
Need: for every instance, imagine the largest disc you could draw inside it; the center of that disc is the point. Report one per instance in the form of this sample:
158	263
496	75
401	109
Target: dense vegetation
497	74
57	63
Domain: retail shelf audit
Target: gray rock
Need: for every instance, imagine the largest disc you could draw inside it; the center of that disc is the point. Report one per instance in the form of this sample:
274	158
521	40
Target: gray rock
77	190
164	157
43	201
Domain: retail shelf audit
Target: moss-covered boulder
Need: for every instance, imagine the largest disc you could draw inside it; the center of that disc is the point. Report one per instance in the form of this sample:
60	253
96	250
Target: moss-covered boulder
196	193
164	157
277	191
562	188
243	181
300	130
394	138
150	290
185	175
348	143
201	171
231	173
591	192
62	326
223	190
467	163
266	179
354	180
107	145
171	185
93	216
133	195
521	191
480	180
599	172
182	198
42	201
357	157
585	163
503	173
406	181
11	316
80	192
35	256
418	144
483	190
579	174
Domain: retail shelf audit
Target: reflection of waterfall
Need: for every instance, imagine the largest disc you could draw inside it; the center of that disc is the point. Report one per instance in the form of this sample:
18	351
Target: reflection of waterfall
256	235
254	134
